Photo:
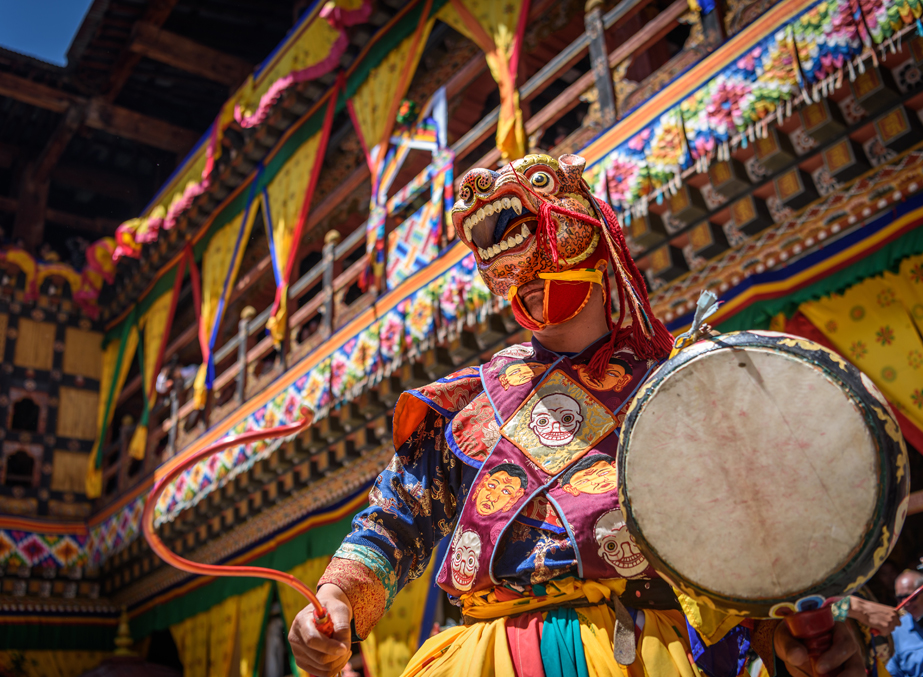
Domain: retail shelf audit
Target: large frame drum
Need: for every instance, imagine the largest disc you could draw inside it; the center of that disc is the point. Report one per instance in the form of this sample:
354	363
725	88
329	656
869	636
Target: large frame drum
762	472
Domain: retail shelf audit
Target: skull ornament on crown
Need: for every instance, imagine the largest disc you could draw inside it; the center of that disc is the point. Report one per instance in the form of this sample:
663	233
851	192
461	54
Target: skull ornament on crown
556	419
465	559
617	546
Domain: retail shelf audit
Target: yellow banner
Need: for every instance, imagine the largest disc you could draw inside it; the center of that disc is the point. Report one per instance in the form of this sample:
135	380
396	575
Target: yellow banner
192	641
492	26
390	646
106	409
375	103
153	324
308	573
876	324
250	627
222	636
224	253
286	195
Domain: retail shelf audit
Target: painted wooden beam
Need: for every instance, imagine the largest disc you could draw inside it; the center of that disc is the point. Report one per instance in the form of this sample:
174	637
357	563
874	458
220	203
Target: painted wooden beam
101	115
129	124
157	13
98	224
188	55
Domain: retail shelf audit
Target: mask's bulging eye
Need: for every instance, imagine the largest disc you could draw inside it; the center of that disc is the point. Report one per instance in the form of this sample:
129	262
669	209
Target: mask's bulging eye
542	182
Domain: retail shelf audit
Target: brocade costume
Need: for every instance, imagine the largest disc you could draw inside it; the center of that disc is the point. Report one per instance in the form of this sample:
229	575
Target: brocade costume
443	434
515	460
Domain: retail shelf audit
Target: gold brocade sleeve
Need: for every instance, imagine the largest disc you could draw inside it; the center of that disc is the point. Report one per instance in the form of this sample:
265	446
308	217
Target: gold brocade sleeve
366	594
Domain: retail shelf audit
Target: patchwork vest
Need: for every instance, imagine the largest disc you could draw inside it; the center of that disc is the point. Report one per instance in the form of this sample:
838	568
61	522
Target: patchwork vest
545	432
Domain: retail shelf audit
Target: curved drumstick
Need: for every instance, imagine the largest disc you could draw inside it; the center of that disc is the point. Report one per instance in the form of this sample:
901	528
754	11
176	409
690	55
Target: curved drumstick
321	618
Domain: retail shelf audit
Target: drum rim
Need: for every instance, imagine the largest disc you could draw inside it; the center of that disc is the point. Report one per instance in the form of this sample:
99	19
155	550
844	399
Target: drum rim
884	446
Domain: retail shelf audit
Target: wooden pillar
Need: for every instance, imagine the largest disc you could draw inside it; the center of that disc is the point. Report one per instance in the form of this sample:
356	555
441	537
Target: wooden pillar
330	242
599	60
243	333
33	191
29	225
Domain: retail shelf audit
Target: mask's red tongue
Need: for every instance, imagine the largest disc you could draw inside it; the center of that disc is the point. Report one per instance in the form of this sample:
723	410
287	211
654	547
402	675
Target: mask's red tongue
563	299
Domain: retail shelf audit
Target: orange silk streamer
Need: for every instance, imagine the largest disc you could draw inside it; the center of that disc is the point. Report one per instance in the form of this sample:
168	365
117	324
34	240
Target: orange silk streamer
321	619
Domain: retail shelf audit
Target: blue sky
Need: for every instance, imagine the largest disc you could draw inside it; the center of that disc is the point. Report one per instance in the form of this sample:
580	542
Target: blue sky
41	28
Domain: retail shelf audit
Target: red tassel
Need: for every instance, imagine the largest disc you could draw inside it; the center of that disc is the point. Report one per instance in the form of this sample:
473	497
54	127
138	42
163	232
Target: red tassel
548	231
660	344
657	346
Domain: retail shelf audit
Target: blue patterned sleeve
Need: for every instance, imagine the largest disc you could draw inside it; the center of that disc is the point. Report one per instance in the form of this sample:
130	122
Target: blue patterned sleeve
412	507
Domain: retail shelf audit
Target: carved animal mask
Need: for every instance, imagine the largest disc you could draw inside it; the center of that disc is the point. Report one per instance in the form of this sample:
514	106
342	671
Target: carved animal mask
536	219
497	216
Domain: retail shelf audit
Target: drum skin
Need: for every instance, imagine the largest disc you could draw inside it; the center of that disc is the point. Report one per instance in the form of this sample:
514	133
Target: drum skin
680	526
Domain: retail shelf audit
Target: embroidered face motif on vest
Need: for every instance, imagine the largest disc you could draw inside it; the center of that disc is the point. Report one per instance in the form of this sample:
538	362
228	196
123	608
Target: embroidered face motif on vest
593	474
617	546
500	488
556	419
520	372
558	423
616	376
466	555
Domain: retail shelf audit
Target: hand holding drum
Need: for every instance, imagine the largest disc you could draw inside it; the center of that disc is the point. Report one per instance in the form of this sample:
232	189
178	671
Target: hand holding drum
765	474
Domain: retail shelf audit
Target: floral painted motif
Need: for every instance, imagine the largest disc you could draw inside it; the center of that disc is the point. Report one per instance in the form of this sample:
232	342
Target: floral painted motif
810	48
915	359
885	335
858	350
886	297
917	398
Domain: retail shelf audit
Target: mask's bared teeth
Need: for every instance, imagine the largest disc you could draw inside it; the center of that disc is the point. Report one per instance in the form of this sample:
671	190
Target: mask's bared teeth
516	205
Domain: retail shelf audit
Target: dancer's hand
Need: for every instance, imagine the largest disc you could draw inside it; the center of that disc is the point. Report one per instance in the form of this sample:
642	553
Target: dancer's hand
879	617
315	652
843	654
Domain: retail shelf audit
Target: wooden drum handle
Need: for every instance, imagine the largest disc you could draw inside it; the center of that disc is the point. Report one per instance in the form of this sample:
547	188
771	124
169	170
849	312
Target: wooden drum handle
815	630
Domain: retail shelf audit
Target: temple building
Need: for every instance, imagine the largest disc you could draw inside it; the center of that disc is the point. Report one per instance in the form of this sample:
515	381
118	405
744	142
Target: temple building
222	213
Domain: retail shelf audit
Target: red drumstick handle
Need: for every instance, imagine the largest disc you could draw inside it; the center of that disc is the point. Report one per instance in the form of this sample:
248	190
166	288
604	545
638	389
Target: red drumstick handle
815	630
322	621
321	617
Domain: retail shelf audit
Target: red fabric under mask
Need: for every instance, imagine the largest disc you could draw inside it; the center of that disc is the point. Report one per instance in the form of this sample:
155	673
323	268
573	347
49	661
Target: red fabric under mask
563	298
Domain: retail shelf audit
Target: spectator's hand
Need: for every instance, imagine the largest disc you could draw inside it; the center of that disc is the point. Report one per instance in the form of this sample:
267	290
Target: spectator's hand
843	652
879	617
315	652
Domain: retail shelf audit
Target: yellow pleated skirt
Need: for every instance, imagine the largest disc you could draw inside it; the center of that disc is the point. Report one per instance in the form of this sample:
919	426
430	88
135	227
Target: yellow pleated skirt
481	648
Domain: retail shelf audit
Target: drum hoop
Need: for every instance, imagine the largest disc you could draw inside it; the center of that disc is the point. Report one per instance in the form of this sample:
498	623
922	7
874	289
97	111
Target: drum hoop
834	371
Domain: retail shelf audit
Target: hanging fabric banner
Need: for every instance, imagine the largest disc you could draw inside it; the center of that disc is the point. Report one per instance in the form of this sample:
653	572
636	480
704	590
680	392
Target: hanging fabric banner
876	324
374	106
396	637
286	202
156	324
373	109
251	623
497	28
220	266
292	601
222	620
117	357
192	639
